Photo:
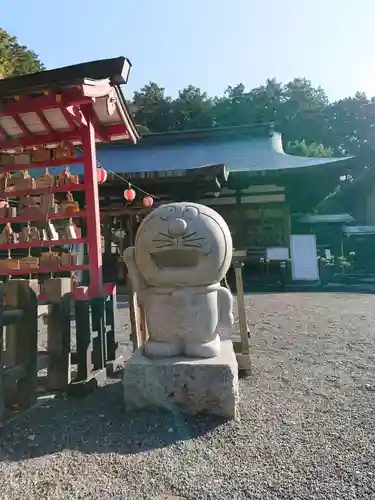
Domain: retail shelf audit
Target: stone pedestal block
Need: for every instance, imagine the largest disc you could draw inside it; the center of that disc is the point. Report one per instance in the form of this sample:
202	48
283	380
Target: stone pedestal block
184	384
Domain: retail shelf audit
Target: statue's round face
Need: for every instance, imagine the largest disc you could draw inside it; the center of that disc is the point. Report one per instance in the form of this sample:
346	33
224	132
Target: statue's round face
183	244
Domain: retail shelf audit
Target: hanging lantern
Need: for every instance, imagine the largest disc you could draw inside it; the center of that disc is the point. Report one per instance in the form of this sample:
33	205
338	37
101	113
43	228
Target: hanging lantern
102	175
148	201
129	194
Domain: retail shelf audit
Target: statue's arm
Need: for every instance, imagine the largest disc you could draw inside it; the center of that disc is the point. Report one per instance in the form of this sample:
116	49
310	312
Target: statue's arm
138	283
225	302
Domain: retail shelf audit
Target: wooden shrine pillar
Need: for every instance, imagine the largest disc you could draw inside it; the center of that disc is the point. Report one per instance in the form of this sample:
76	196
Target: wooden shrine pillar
58	291
241	348
92	205
107	233
22	374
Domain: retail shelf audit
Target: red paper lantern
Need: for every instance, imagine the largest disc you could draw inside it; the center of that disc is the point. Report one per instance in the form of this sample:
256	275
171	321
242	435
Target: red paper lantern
148	201
102	175
129	194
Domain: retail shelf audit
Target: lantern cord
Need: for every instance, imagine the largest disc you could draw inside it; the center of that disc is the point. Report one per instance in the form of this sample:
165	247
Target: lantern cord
99	165
130	184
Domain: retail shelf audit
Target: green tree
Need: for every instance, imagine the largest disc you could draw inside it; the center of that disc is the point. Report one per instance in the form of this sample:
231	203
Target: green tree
192	109
310	124
351	125
302	148
232	108
16	59
152	108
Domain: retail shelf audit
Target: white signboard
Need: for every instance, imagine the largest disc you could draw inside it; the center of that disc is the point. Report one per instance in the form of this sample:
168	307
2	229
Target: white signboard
277	253
304	257
239	253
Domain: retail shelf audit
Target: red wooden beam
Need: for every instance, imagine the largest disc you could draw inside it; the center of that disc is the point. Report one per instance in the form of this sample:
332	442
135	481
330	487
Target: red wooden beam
57	137
26	132
73	115
43	244
42	217
76	160
3	134
45	122
29	104
116	130
43	270
92	209
65	188
37	140
100	131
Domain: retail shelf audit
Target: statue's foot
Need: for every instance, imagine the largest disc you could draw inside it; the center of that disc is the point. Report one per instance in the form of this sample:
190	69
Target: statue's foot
154	349
203	350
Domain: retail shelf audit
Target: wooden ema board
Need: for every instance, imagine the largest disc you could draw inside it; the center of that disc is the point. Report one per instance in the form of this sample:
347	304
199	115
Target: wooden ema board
34	213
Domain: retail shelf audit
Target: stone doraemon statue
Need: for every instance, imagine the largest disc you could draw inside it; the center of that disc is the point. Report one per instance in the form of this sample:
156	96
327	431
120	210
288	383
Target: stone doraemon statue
182	251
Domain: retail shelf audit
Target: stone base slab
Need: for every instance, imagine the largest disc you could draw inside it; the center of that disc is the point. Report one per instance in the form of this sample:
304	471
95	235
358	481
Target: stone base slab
183	384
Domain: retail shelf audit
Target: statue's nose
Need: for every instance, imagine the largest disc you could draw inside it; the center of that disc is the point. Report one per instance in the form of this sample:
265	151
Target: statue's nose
177	227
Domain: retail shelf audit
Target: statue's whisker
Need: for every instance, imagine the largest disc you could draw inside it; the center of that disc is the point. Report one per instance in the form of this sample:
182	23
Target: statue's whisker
194	239
165	245
167	236
188	235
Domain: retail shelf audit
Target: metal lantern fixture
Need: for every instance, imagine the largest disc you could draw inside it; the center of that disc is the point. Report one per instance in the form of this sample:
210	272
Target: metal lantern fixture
148	201
129	194
102	175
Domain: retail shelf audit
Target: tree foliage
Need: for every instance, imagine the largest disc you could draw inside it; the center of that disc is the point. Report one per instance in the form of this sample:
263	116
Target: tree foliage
302	148
310	123
16	59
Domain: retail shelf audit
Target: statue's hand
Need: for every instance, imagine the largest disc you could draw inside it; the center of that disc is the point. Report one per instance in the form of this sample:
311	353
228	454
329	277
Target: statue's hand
136	278
225	303
129	257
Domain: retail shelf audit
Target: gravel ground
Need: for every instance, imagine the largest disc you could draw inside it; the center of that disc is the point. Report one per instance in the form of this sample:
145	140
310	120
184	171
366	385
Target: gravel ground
306	429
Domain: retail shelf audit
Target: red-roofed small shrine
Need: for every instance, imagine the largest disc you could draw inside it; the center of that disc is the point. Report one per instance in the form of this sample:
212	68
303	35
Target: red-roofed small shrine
43	118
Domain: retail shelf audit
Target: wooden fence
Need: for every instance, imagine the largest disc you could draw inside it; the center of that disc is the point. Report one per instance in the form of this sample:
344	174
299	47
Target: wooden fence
96	353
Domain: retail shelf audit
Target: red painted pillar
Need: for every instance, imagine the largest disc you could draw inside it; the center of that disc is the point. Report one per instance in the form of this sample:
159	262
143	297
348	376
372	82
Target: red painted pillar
92	207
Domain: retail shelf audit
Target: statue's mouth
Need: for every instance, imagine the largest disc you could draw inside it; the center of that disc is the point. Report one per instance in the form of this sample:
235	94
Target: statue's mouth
176	258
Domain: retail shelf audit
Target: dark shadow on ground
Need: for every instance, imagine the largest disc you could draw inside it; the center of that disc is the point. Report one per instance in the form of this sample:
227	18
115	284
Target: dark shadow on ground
305	289
268	290
97	424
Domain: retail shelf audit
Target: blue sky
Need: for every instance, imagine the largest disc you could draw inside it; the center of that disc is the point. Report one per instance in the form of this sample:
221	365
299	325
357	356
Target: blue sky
208	43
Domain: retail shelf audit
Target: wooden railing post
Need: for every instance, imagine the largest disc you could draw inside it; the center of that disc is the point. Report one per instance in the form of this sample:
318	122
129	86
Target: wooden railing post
84	342
22	294
135	317
113	351
58	291
2	391
99	341
243	357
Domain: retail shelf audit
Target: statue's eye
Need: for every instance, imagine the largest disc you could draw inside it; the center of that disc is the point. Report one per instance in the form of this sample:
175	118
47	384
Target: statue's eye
190	213
167	213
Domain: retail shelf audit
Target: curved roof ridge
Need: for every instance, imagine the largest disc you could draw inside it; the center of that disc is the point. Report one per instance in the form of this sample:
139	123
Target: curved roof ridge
254	154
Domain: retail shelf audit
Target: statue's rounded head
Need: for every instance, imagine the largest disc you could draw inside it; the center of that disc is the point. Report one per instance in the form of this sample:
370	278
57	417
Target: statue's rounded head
183	244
